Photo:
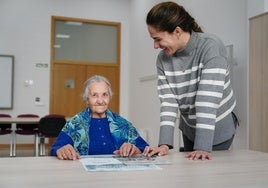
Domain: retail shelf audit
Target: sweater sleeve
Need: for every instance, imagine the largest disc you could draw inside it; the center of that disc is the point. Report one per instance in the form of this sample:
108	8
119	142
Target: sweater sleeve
168	107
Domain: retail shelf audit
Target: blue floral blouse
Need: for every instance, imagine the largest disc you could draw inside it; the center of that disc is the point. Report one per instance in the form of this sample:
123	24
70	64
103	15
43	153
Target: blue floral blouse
76	132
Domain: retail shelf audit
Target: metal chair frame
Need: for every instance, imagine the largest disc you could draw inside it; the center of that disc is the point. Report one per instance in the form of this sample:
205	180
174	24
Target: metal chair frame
8	130
22	130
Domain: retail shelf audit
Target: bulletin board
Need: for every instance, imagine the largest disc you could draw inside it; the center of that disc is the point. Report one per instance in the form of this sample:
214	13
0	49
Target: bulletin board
6	81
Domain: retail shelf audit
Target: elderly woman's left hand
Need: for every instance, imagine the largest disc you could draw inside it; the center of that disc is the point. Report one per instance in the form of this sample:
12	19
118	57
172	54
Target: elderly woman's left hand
127	149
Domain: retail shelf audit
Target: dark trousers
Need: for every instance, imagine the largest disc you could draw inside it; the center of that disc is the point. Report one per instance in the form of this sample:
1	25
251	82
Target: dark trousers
189	145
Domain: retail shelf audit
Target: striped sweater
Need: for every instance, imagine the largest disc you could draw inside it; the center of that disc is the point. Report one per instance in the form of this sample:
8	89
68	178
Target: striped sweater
194	84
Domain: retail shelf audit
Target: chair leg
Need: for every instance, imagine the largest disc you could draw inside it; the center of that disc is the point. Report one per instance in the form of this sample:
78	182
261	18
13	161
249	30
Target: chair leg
14	144
11	145
42	146
36	145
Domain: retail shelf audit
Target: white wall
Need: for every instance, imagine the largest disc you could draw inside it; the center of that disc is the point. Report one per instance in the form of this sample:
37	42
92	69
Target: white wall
256	7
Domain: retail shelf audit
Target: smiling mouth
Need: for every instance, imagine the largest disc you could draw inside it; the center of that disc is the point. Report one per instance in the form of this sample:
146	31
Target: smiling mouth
166	50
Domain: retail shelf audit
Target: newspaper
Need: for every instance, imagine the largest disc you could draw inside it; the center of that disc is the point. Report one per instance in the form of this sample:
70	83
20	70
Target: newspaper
118	163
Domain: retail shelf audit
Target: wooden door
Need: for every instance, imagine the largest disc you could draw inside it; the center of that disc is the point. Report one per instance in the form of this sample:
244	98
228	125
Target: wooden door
82	48
112	74
258	85
67	88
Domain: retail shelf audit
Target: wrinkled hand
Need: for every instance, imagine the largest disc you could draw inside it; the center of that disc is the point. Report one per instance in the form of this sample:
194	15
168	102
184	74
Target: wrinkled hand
199	155
160	151
67	152
127	149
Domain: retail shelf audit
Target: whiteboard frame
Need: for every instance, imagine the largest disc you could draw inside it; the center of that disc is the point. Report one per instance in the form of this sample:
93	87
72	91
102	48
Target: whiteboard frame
6	81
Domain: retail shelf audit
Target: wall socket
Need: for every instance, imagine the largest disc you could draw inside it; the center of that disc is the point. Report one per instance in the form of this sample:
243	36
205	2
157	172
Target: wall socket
37	101
41	65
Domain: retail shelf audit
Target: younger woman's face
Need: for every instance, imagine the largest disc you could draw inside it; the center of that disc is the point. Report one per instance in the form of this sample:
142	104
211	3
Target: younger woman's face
169	42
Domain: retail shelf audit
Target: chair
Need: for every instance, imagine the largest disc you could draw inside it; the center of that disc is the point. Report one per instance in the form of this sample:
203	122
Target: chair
50	127
6	128
28	129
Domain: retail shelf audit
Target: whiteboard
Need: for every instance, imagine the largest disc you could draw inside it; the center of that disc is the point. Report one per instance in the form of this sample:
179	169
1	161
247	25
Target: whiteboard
6	81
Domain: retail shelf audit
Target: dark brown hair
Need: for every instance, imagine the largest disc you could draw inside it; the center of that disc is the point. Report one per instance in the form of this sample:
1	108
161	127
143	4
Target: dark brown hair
167	16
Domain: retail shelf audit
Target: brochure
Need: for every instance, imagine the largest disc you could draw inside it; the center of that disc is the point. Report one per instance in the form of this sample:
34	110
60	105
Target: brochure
118	163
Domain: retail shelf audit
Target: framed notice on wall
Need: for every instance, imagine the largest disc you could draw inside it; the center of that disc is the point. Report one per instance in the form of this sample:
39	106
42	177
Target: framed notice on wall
6	81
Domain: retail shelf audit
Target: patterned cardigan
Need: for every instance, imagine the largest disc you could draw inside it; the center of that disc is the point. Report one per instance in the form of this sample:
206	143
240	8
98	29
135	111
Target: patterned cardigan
122	131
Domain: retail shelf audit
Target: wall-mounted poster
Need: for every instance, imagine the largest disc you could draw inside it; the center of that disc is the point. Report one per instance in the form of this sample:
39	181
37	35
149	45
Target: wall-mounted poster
6	81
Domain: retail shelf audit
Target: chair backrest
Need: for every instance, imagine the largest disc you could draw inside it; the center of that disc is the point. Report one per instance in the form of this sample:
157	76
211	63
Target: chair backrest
5	126
27	126
51	125
55	115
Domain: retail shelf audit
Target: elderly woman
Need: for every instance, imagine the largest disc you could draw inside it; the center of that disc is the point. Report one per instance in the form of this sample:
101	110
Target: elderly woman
97	130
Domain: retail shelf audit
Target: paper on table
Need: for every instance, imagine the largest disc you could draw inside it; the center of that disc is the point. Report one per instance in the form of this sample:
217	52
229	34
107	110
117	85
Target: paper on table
142	159
112	164
99	161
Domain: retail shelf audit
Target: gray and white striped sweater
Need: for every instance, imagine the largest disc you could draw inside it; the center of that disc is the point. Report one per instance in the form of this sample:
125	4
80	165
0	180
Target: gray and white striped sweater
195	83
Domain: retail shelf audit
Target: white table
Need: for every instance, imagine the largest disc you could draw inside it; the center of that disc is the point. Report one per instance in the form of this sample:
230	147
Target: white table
20	120
227	169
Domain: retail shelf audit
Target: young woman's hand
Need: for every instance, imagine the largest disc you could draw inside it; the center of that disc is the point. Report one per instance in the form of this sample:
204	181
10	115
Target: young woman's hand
199	155
160	151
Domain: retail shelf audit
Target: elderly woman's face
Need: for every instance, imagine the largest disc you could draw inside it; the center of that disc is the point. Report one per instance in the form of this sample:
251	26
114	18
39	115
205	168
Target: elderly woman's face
98	99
